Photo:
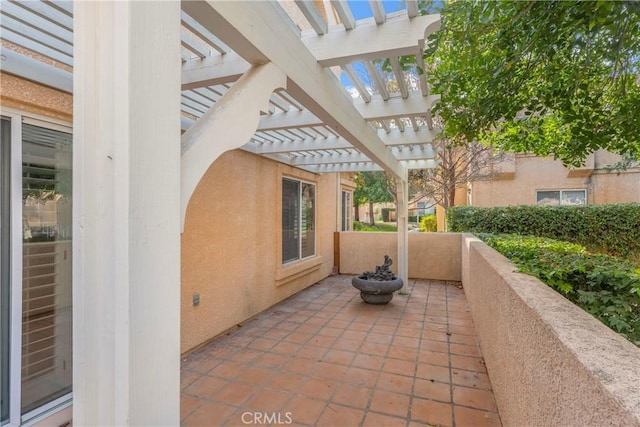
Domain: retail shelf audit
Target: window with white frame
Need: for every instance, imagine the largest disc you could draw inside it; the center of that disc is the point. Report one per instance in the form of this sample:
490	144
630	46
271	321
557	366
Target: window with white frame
298	220
425	208
347	208
561	197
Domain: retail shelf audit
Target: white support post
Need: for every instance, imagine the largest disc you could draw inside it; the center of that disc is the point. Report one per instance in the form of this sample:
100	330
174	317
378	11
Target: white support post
402	190
126	213
228	124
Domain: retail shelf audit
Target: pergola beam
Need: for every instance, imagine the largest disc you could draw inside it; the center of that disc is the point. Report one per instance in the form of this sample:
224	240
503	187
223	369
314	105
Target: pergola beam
258	32
377	109
413	105
364	43
421	153
37	71
396	37
213	70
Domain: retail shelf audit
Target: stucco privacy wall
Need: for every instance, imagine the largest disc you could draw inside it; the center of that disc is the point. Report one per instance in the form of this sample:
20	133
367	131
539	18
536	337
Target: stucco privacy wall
431	255
231	245
550	362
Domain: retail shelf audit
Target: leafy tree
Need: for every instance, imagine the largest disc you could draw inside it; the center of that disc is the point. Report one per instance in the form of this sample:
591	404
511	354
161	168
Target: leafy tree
371	187
548	77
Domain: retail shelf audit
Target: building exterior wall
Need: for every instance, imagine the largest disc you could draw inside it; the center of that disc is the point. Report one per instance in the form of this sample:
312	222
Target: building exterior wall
543	173
231	245
34	98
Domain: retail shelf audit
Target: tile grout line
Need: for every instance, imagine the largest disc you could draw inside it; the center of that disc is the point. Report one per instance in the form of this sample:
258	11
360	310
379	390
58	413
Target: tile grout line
453	416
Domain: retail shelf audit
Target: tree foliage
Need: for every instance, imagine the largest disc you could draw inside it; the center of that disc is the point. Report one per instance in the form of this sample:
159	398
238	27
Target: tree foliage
548	77
372	187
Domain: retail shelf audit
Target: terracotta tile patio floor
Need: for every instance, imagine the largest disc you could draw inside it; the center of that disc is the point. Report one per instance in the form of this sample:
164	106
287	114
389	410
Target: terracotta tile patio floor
323	357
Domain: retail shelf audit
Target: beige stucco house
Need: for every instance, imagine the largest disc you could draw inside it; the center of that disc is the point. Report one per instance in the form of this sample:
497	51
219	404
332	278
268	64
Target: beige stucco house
527	180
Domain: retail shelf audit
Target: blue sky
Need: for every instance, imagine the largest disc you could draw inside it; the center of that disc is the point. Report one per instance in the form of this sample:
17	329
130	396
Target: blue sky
361	10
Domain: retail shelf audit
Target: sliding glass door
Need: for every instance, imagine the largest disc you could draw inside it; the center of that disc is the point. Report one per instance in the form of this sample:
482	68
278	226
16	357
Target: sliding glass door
46	265
35	267
5	264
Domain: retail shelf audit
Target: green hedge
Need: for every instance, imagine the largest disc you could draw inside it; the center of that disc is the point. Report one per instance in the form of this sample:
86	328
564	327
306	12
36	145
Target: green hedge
612	229
605	286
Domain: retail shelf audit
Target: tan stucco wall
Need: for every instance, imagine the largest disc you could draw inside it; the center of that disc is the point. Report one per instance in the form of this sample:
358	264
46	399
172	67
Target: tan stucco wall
28	96
231	245
543	173
550	362
611	188
431	255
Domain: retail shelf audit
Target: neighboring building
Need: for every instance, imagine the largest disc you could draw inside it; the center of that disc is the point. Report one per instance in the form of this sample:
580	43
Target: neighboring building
421	206
529	180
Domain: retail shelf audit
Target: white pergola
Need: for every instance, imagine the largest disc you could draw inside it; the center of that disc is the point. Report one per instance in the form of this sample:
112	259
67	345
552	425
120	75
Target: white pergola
218	75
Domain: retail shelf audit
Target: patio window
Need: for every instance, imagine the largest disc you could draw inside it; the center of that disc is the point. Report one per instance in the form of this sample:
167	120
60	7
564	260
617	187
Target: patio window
347	207
561	197
298	220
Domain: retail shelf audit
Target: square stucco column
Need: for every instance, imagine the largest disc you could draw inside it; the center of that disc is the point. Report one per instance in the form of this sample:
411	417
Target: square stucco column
126	213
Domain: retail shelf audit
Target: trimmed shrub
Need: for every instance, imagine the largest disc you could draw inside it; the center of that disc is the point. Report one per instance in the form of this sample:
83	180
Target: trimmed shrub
611	229
428	223
604	286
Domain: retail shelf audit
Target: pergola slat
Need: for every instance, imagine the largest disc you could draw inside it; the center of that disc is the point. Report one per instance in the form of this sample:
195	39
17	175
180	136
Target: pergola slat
195	46
36	35
368	41
412	8
46	11
33	46
357	82
399	75
344	12
378	11
310	11
38	23
375	75
195	27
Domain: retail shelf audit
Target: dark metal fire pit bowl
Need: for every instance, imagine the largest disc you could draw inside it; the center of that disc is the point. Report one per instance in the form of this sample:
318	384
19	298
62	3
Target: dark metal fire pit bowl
377	287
